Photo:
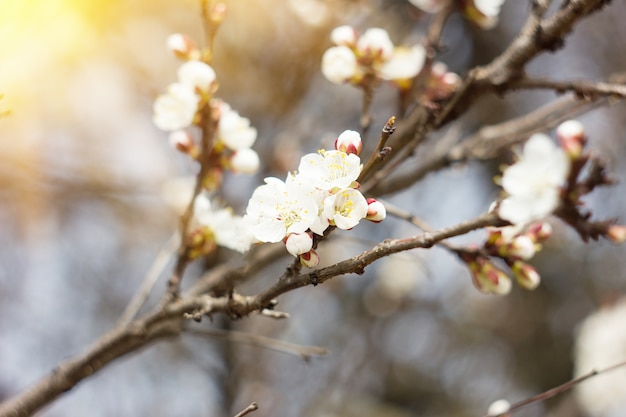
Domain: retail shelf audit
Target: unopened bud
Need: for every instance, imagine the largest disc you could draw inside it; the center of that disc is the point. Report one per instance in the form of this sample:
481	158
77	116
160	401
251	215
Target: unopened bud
182	141
522	247
344	35
182	46
526	275
499	408
298	243
245	161
310	259
349	142
488	278
200	242
376	211
571	135
198	75
617	233
539	232
217	14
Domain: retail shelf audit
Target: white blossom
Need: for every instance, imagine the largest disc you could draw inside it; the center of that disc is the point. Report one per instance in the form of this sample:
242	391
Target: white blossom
429	6
235	131
490	8
405	63
245	161
339	64
196	74
182	46
375	42
533	183
345	208
344	35
488	12
278	208
328	170
176	109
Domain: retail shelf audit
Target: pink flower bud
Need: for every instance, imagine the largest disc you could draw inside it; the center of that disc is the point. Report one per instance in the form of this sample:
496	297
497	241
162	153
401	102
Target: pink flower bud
526	275
376	211
349	142
182	141
310	259
489	279
522	247
245	161
617	233
539	232
571	135
298	243
182	46
217	13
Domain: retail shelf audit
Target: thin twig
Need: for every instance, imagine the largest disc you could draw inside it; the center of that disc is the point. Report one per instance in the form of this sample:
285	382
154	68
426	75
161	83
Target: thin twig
582	88
489	141
305	352
252	407
379	153
553	392
150	280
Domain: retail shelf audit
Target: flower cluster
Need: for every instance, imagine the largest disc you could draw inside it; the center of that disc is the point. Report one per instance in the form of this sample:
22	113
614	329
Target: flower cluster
513	245
549	179
190	102
370	57
322	193
482	13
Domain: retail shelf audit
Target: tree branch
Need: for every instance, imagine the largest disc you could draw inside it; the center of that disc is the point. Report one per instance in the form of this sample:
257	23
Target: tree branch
168	320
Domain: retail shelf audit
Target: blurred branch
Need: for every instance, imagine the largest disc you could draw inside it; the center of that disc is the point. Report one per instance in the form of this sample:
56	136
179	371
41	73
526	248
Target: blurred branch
252	407
151	278
553	392
305	352
582	88
168	320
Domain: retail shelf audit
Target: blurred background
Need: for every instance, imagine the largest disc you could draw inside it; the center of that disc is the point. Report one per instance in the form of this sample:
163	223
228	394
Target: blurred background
82	219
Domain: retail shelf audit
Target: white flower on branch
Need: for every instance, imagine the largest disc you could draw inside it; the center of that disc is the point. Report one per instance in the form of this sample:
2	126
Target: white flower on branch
344	35
328	170
405	63
339	65
176	109
346	208
245	161
533	184
235	131
375	43
197	75
279	208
